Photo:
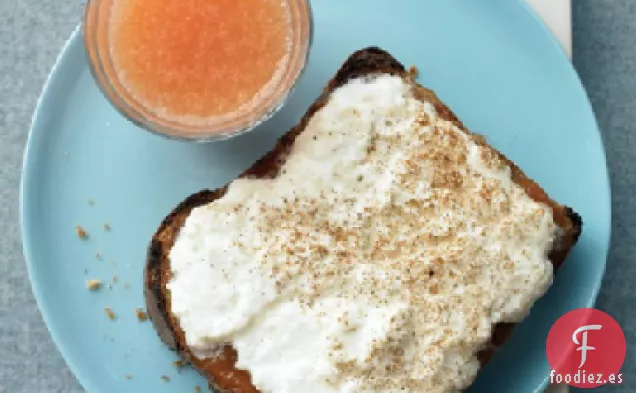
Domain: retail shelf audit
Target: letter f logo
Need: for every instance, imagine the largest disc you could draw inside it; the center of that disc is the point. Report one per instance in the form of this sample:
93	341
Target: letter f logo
583	344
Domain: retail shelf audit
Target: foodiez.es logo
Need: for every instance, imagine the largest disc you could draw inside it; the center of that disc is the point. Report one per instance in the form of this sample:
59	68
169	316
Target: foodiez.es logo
586	349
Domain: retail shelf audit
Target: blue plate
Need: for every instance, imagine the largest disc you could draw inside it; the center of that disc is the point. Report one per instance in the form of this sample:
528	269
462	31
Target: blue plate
493	62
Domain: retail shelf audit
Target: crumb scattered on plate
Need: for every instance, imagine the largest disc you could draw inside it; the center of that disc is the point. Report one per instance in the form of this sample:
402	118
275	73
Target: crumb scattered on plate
197	389
165	378
114	279
98	256
141	315
110	314
91	202
128	377
81	232
93	285
107	226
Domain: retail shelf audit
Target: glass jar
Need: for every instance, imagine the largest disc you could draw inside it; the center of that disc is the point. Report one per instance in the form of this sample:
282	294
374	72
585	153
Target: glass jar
97	22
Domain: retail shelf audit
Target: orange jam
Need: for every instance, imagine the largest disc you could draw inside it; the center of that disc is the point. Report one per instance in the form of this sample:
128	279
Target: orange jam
195	60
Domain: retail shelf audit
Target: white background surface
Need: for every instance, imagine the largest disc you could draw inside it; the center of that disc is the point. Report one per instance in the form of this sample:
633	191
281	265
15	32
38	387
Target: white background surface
557	14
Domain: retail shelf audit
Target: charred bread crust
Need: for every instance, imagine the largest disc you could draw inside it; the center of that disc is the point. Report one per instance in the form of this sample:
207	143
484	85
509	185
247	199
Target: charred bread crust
362	63
157	304
577	223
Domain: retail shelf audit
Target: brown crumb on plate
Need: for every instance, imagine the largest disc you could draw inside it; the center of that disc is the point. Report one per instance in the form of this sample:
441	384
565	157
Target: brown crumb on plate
107	226
128	377
81	232
179	365
141	315
110	314
165	378
98	256
197	389
93	285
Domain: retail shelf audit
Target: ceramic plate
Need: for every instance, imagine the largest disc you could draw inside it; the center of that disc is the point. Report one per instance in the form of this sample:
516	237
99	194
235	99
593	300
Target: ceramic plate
493	62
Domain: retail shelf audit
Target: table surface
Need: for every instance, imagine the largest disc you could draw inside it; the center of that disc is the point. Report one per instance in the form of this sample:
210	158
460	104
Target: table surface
32	33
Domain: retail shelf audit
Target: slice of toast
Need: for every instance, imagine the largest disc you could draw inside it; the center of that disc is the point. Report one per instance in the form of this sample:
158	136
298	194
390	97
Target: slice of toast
221	371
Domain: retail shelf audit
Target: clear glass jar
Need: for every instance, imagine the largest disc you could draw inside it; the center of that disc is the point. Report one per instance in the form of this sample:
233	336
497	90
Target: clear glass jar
96	38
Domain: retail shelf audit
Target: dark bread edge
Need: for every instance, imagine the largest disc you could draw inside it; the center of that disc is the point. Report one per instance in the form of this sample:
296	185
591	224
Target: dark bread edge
365	62
157	254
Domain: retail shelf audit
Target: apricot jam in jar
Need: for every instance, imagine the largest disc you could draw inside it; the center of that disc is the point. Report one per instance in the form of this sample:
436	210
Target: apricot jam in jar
197	69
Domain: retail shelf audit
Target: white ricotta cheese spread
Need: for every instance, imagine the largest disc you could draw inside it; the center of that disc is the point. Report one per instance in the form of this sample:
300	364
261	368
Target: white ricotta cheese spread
377	261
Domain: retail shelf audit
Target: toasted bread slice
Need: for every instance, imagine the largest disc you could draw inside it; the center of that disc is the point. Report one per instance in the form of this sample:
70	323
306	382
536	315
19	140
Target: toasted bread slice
221	371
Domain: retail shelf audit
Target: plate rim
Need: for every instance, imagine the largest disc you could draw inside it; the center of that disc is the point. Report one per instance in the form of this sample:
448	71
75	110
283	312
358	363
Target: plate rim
84	379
